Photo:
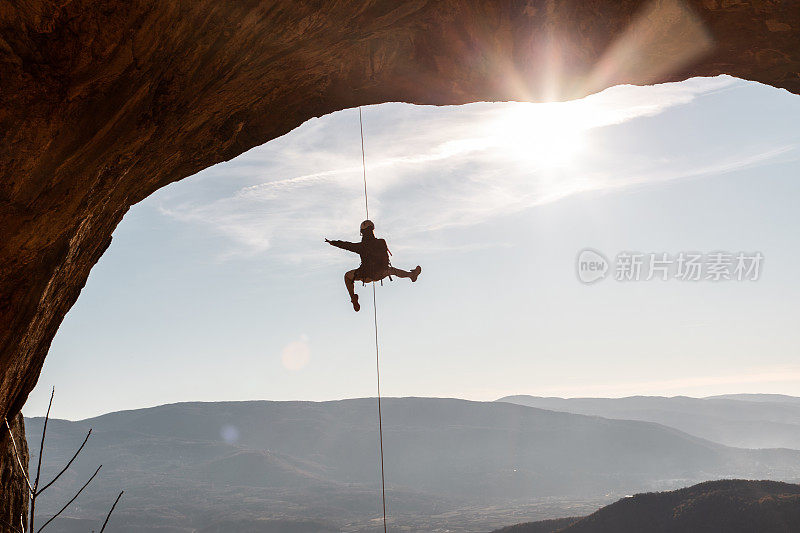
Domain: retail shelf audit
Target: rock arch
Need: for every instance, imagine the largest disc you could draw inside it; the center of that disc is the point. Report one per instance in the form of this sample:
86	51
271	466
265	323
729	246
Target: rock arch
103	102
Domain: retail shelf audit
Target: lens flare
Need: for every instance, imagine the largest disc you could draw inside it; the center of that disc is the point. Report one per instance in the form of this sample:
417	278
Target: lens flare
296	354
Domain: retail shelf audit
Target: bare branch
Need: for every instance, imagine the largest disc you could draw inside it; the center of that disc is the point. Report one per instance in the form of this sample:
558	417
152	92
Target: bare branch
111	511
16	454
72	500
41	446
39	465
66	467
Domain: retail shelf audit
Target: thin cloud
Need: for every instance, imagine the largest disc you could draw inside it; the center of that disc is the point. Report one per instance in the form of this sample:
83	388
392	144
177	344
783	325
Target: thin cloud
432	168
756	378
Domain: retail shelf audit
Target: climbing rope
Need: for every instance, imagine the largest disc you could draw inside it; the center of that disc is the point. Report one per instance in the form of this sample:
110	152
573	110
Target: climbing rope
375	319
364	166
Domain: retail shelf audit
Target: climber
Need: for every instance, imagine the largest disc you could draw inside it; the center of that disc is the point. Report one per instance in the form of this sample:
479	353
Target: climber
375	263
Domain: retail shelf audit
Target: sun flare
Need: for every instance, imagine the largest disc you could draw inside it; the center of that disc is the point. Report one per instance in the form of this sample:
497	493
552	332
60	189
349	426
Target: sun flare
543	135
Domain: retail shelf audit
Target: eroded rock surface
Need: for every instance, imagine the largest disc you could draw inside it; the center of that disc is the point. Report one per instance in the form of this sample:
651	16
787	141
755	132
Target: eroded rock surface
104	101
13	489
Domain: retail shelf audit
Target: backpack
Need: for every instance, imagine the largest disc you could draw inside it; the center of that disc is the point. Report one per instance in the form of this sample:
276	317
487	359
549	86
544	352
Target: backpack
375	255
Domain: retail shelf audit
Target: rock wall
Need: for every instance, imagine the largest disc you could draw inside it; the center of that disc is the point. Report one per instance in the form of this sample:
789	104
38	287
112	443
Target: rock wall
14	487
103	102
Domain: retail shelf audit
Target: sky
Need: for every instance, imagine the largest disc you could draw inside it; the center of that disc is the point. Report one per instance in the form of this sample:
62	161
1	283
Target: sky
221	287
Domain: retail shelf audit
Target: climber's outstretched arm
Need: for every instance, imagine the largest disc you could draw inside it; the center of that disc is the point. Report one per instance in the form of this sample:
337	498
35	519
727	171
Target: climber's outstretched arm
345	245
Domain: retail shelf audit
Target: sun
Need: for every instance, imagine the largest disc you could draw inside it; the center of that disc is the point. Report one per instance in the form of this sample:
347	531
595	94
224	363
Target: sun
543	135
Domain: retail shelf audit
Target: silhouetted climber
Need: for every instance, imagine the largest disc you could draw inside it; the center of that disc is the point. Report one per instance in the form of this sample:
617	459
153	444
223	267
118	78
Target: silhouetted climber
375	263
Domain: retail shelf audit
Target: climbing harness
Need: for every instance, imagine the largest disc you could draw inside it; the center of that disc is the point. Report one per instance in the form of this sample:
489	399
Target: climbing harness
375	320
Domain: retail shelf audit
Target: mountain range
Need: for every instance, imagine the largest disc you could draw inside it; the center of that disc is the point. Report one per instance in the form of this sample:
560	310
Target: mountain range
450	464
742	420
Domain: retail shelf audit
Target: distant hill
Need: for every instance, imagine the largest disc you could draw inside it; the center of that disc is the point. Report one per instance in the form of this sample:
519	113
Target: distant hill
771	398
741	420
732	506
451	463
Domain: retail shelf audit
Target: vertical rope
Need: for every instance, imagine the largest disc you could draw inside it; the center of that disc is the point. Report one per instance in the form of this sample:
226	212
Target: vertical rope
363	162
375	319
380	420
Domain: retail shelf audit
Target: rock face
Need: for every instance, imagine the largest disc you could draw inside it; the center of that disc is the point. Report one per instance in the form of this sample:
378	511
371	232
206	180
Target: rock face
104	101
12	482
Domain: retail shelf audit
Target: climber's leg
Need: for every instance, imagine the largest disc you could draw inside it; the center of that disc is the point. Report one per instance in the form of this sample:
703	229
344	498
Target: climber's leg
405	273
350	282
